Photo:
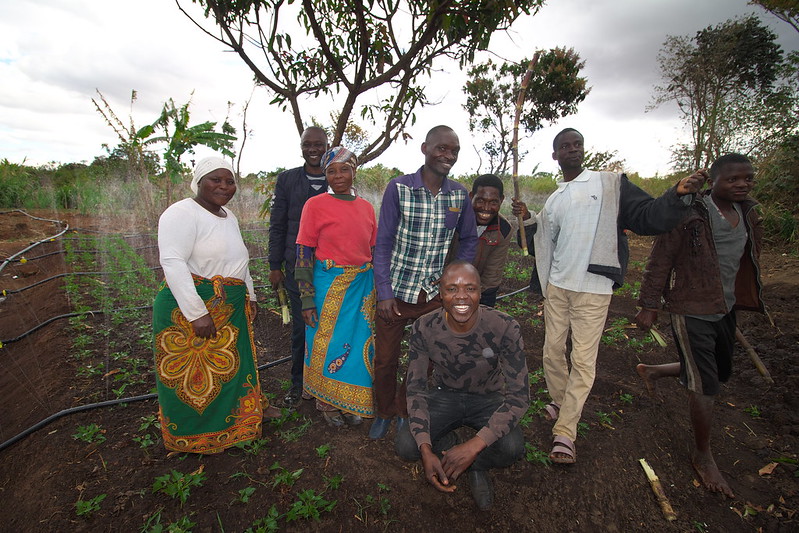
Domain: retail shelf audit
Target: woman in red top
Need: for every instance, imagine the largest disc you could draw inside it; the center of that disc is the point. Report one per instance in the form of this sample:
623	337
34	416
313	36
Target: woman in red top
334	274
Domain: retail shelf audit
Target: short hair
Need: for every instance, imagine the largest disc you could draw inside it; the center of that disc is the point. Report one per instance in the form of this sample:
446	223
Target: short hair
315	128
435	130
488	180
561	132
726	159
457	263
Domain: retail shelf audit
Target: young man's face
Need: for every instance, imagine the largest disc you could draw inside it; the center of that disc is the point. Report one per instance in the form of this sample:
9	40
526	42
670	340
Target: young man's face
460	296
441	152
486	202
734	182
569	151
313	144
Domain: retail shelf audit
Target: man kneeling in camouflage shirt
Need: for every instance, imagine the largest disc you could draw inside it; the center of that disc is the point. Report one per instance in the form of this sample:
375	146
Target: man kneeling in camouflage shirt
479	380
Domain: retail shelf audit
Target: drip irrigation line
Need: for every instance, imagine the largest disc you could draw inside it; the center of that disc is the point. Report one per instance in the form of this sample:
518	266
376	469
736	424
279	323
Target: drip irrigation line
56	252
31	216
501	296
124	235
100	311
107	403
35	244
70	315
65	274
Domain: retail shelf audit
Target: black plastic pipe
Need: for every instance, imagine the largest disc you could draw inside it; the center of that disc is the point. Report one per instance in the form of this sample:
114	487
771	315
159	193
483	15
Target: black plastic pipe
107	403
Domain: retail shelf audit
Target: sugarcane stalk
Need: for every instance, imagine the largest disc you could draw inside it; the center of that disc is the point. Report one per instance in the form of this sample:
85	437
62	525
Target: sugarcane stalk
284	302
660	494
753	356
515	145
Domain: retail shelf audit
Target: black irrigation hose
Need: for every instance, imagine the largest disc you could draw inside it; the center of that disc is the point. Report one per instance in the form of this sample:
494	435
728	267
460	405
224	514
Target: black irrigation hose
70	315
56	252
11	258
107	403
100	311
51	278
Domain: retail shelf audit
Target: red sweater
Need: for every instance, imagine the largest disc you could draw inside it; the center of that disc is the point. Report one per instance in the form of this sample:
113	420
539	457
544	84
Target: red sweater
341	230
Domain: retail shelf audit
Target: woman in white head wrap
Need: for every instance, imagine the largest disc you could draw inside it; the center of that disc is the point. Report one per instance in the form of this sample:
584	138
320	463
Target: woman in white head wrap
206	372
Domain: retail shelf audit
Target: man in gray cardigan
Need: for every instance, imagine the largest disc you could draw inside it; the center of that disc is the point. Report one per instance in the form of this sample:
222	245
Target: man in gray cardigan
581	257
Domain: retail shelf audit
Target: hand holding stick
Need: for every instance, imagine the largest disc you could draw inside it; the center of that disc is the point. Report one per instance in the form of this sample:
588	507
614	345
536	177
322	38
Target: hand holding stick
284	302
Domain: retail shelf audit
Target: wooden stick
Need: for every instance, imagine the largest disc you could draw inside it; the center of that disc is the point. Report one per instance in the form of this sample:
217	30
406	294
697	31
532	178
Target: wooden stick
753	356
515	146
660	494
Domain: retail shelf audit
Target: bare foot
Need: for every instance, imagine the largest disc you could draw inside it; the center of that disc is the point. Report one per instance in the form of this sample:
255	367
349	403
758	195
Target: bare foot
648	376
710	475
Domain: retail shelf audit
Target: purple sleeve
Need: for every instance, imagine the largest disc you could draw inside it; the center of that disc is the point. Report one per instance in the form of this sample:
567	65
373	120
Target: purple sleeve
467	230
386	233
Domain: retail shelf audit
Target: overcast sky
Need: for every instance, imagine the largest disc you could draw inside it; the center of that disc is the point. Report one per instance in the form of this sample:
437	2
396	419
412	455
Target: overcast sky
55	53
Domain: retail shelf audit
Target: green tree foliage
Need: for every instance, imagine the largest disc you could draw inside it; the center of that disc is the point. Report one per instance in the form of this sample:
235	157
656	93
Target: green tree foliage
554	91
785	10
777	189
180	139
778	179
371	57
732	87
171	133
604	161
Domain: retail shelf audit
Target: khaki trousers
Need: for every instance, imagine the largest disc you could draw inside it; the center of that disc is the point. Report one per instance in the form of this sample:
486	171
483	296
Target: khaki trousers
585	314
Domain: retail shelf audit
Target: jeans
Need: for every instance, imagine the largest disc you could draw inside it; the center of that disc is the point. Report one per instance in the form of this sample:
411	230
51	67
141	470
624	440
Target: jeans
449	410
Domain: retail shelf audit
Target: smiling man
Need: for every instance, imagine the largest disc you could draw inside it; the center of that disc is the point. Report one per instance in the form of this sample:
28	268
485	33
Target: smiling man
292	190
704	271
581	255
419	216
478	380
494	232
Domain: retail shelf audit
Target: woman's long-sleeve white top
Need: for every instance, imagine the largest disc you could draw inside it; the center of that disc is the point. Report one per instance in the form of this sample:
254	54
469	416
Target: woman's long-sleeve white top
192	240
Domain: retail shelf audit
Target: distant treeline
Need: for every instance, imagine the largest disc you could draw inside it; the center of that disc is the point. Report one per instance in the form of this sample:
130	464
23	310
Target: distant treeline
106	186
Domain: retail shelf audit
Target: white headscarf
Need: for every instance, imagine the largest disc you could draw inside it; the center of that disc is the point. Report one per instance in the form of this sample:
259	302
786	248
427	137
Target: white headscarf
206	166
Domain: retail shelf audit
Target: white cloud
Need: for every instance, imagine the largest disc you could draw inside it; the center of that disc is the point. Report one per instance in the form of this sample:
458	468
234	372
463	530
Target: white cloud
55	53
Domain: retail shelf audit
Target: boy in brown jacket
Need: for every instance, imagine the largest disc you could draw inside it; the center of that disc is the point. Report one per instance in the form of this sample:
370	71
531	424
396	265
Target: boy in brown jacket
705	270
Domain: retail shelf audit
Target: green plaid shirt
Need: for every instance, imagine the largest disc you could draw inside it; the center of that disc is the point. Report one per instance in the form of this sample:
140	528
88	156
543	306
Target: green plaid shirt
414	235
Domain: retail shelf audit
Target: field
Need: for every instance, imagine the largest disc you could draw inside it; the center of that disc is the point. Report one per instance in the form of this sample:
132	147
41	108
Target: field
105	469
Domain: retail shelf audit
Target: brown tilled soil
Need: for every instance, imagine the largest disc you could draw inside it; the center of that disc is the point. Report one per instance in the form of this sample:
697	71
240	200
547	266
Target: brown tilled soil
44	474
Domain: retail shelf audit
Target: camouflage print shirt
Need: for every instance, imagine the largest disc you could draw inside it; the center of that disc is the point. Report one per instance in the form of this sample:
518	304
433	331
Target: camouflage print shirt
487	359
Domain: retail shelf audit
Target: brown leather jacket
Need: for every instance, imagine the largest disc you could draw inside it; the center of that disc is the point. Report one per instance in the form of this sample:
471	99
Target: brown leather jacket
683	267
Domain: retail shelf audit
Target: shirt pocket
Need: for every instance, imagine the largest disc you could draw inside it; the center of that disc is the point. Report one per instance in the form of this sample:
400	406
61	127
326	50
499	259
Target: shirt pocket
451	219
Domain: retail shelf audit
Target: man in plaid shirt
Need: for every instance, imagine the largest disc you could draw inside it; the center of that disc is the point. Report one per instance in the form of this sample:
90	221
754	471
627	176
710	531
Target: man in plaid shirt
419	217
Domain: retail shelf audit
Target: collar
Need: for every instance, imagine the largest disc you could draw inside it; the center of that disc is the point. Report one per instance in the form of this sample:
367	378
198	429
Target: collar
418	183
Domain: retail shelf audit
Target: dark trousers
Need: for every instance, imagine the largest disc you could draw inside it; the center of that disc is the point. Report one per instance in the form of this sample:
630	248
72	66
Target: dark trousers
297	329
390	399
449	410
